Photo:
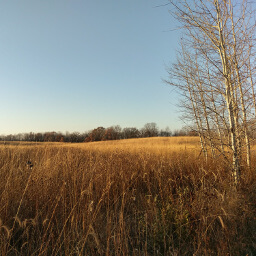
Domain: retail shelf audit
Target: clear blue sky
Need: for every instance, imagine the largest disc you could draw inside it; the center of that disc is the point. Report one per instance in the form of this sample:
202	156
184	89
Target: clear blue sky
76	65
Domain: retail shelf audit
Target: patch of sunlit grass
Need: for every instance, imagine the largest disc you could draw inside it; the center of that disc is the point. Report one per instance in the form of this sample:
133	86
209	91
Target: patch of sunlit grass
156	145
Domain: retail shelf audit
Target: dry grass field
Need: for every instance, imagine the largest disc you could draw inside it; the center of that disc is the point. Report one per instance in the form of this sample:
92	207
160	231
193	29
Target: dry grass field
154	196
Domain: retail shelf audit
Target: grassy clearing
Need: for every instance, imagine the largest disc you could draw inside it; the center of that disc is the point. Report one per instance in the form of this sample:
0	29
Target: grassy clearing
133	197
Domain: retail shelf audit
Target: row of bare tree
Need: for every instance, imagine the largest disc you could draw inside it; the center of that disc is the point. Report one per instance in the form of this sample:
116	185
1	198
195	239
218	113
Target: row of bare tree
215	73
98	134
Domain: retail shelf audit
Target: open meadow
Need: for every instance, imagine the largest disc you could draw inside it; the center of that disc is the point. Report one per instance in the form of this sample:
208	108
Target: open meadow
151	196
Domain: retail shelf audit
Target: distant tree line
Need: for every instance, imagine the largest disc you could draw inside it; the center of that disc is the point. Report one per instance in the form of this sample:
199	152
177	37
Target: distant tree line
99	134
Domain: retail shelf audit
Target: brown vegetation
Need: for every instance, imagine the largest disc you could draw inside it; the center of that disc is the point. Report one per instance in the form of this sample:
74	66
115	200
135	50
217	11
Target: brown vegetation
154	196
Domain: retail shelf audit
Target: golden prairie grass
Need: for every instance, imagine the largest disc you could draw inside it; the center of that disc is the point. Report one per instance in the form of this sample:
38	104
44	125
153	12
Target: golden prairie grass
155	143
153	196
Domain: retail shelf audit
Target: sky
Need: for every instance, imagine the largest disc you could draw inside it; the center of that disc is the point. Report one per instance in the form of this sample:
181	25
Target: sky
74	65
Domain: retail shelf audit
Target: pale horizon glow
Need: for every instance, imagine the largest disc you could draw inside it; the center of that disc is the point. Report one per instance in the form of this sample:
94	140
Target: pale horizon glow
76	65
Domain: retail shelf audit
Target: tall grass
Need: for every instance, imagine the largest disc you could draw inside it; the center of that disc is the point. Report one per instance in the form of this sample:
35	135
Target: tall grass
134	197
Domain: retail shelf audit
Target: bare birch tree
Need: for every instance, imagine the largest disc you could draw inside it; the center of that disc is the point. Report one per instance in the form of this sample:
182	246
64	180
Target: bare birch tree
215	73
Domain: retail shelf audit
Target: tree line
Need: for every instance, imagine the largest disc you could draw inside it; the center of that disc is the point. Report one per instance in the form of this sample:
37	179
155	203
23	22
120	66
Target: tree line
99	134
